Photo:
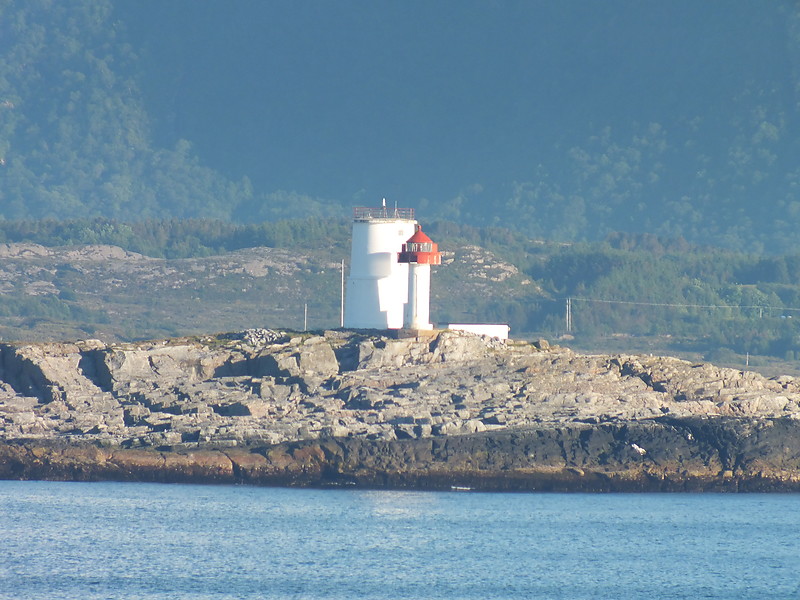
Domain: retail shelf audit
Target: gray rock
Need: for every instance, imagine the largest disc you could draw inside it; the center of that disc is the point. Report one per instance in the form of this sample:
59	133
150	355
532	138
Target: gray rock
317	358
265	388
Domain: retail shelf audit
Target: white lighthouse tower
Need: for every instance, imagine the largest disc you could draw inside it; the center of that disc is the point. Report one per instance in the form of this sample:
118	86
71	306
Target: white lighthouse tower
377	288
419	253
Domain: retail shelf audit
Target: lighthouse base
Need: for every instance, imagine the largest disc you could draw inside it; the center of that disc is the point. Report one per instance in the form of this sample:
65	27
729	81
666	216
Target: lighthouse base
407	333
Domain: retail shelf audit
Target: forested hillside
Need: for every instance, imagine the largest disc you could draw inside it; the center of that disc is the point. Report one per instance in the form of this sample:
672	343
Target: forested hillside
76	139
564	121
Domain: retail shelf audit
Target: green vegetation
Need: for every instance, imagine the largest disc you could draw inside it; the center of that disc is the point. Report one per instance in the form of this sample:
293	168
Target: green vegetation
54	308
703	299
80	139
176	238
77	142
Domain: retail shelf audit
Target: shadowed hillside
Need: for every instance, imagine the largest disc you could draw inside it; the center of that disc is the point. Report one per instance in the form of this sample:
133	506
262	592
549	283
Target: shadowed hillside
562	121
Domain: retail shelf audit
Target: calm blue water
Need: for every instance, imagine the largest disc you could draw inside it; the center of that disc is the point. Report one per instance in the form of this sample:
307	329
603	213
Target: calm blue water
118	540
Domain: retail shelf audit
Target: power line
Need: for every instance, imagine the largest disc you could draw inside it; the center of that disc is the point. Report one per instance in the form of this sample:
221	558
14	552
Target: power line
679	305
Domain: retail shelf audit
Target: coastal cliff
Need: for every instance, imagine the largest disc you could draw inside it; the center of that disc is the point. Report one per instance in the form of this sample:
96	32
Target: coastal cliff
353	408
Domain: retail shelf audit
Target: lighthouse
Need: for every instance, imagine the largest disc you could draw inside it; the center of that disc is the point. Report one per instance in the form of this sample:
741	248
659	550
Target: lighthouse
419	253
377	288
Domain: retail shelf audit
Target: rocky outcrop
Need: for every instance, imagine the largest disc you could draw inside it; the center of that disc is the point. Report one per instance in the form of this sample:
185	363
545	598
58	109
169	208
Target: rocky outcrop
663	454
345	408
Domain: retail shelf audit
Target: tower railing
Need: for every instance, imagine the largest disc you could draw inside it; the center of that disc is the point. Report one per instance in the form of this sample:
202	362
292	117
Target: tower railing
364	213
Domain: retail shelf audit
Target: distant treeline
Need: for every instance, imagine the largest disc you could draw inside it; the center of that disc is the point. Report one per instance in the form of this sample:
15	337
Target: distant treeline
187	238
177	238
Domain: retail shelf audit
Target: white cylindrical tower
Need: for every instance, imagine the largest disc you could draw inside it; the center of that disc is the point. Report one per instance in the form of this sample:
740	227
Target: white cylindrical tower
417	312
419	253
377	287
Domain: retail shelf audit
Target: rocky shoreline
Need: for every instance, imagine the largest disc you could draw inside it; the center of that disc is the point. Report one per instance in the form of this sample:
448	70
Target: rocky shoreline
344	409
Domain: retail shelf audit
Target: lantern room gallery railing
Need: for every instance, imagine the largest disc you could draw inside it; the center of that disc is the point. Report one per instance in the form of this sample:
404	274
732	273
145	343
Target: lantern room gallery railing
363	213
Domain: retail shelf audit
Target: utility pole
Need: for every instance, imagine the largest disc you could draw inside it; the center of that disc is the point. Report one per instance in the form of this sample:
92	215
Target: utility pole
341	300
569	315
305	316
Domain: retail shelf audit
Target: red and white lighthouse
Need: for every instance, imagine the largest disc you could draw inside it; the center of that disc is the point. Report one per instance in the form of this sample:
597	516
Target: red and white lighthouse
419	252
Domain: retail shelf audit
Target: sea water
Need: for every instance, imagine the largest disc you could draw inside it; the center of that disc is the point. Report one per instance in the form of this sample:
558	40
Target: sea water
128	540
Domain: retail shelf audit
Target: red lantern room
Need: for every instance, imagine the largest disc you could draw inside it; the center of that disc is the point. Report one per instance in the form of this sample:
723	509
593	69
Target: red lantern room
420	249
